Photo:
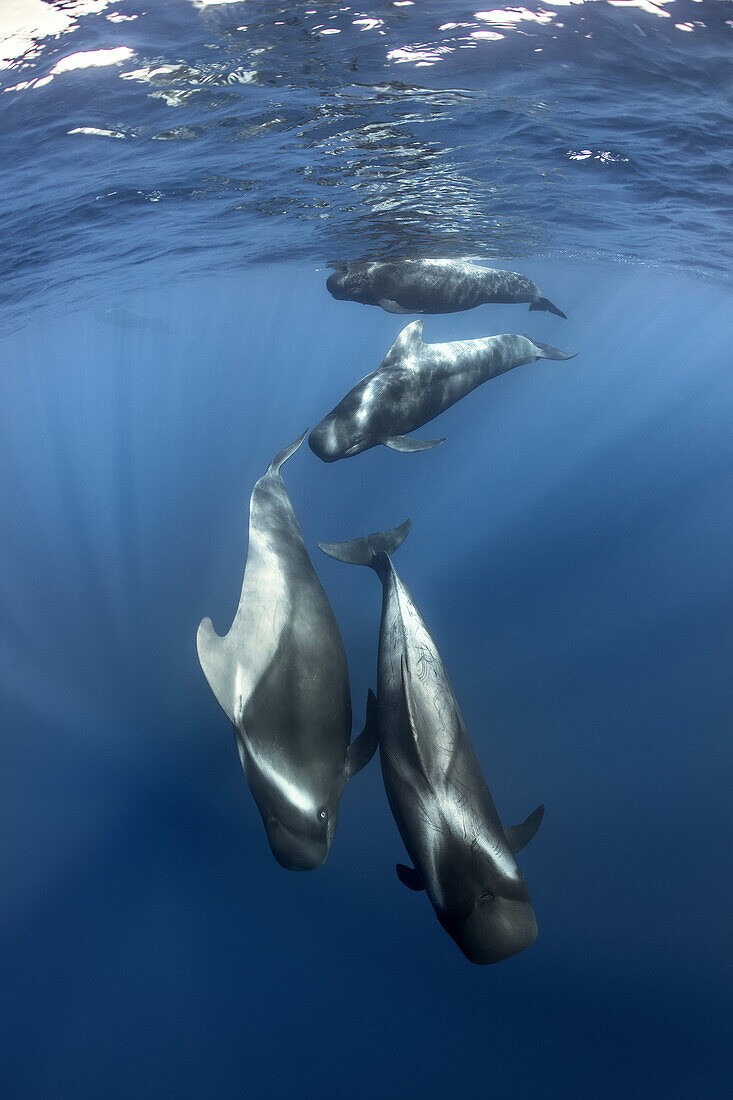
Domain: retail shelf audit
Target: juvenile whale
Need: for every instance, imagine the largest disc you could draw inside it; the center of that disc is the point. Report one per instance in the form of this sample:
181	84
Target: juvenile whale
415	383
433	286
281	677
441	804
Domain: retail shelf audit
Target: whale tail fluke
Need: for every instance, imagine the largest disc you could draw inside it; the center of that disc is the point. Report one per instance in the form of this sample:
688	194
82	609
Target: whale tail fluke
364	551
284	455
548	352
546	305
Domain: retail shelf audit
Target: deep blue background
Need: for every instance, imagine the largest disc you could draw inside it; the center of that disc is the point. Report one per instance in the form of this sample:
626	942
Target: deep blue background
571	552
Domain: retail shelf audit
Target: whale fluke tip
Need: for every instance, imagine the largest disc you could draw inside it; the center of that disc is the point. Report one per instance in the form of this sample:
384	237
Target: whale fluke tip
389	541
546	305
364	551
285	454
547	351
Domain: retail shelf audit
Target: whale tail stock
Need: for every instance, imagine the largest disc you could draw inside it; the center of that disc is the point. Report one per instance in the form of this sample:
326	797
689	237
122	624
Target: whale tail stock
365	551
546	305
547	351
285	454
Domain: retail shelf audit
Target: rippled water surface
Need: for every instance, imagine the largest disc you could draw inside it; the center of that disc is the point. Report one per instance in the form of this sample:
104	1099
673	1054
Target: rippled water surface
208	135
177	178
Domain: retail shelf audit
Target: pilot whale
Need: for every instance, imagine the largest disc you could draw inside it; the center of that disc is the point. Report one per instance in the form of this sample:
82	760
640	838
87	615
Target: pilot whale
461	855
415	383
280	675
433	286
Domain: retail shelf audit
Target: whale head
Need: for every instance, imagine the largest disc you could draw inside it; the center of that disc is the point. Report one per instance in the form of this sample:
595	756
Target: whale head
335	437
494	929
484	903
300	818
351	282
300	828
301	843
348	429
337	285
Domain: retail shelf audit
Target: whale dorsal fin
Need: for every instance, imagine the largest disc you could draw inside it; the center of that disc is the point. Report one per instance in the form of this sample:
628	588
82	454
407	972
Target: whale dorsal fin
519	836
219	668
409	341
409	877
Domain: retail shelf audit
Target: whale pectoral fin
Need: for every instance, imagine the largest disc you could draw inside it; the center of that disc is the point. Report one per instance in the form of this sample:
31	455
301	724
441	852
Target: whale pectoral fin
519	836
393	307
408	446
409	877
363	747
215	660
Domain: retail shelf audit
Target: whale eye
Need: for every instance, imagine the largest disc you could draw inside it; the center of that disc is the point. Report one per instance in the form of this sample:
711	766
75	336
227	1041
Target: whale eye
323	814
488	896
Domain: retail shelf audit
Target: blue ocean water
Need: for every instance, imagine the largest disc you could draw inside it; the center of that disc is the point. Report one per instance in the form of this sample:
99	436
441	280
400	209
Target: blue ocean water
170	211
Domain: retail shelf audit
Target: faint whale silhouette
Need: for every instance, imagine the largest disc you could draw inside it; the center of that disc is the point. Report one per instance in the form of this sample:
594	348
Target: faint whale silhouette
127	318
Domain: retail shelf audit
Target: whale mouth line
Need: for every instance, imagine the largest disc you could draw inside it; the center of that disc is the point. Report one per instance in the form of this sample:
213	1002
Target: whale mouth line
295	852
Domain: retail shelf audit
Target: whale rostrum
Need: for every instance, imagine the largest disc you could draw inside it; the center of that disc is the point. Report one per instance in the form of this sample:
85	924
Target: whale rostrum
461	855
433	286
415	383
281	677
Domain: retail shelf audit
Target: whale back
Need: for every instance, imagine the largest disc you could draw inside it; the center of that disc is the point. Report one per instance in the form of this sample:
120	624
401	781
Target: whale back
433	734
233	664
284	626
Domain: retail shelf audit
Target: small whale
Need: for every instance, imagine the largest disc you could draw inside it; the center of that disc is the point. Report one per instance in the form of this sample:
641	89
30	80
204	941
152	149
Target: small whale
461	855
415	383
433	286
280	675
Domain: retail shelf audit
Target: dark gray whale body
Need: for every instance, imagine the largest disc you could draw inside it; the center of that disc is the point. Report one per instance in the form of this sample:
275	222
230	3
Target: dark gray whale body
433	286
280	675
415	383
441	804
